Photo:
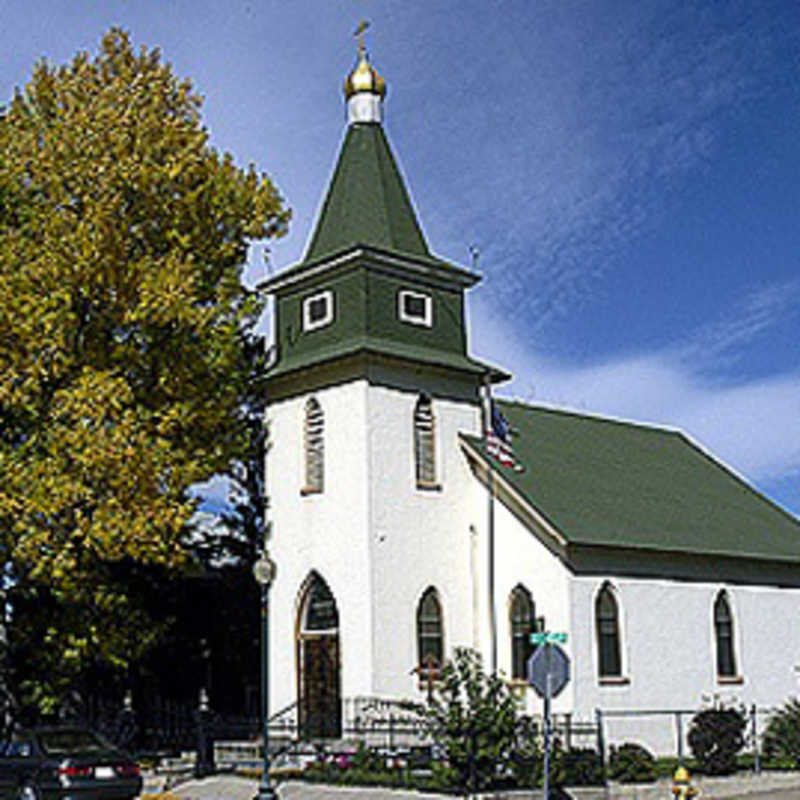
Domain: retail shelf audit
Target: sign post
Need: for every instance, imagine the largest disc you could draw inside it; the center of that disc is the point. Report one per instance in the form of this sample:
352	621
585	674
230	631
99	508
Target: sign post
548	673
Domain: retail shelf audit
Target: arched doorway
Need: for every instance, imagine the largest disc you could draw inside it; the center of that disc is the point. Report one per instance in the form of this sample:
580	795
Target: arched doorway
319	703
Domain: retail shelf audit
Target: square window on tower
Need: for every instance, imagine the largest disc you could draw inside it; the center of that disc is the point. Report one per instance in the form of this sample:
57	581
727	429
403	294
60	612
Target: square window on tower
318	310
415	308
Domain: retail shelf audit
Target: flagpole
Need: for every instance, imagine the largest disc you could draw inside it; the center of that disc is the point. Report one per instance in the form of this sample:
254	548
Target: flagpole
492	610
487	411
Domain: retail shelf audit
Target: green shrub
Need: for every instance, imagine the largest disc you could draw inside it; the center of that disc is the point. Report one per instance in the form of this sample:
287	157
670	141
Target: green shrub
576	767
631	763
443	776
525	758
321	773
782	737
367	759
472	716
715	737
582	766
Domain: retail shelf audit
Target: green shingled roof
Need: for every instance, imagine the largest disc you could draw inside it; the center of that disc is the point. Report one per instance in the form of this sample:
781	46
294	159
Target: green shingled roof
367	202
604	482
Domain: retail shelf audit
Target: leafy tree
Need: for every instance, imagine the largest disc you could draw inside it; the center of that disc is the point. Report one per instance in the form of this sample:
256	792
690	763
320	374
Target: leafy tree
473	717
238	537
125	335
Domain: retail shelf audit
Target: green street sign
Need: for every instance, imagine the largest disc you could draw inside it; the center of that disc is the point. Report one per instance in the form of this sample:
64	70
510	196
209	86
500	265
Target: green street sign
548	638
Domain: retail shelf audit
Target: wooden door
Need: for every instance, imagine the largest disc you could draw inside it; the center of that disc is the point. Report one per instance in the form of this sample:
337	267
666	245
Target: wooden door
320	702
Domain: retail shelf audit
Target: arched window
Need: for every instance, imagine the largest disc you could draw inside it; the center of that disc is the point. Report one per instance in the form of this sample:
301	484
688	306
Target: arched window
319	607
607	624
424	452
314	448
723	631
430	639
523	623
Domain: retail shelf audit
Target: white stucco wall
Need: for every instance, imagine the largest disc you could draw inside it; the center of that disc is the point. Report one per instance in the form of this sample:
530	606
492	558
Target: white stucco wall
418	537
669	652
377	539
521	558
326	532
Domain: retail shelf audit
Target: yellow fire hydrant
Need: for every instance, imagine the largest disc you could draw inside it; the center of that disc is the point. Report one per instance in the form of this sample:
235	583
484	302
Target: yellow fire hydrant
682	787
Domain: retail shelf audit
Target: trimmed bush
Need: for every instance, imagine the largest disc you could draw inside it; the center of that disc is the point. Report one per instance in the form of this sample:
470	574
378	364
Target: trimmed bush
631	763
715	737
581	766
576	767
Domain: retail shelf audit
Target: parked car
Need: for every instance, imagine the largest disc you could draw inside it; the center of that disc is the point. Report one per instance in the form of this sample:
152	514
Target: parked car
61	763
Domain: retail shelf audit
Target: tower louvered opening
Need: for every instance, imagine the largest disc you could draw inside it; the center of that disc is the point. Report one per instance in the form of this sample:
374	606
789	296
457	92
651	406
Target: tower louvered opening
315	447
424	451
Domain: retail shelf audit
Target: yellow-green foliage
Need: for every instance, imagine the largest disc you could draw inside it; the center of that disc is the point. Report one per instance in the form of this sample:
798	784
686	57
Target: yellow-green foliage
122	319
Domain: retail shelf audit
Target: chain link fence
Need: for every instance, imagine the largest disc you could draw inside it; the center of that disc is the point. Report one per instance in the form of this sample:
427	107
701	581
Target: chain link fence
665	731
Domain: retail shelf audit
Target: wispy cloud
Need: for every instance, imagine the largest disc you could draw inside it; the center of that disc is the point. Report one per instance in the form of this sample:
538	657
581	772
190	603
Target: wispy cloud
752	425
596	154
757	313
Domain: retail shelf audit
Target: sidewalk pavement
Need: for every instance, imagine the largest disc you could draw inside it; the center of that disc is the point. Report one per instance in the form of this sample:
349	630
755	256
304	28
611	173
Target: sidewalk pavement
231	787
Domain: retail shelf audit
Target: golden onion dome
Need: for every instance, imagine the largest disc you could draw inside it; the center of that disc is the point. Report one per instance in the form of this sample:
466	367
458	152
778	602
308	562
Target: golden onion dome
364	78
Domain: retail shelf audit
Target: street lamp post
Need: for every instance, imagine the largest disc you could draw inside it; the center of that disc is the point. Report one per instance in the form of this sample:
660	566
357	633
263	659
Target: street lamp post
264	573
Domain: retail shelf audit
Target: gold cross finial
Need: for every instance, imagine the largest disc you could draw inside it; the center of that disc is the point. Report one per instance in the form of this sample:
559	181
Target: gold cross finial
359	32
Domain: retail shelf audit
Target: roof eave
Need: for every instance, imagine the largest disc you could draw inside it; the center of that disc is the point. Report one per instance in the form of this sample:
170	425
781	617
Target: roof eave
534	518
432	268
650	563
584	556
470	367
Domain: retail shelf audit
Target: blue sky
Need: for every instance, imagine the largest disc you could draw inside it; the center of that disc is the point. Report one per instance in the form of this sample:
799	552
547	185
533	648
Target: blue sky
629	170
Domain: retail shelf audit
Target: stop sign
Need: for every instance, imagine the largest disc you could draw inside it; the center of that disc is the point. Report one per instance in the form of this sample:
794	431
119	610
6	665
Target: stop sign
548	659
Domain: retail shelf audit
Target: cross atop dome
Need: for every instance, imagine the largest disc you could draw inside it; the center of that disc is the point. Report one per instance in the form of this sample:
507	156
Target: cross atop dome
364	88
359	32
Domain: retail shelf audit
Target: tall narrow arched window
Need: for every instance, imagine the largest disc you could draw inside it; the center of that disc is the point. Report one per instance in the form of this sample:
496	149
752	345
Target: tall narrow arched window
523	623
424	451
314	448
723	633
430	637
606	614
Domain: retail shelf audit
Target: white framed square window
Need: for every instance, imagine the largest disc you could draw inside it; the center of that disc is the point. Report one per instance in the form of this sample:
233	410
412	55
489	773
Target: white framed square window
318	310
415	307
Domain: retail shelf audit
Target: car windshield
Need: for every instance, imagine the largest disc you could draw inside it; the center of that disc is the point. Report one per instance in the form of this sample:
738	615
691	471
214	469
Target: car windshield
70	741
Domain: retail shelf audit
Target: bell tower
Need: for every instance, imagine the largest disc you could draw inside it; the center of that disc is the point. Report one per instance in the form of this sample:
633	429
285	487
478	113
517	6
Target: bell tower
371	384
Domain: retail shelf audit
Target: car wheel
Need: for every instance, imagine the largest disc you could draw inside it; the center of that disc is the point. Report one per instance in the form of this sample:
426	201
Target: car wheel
27	792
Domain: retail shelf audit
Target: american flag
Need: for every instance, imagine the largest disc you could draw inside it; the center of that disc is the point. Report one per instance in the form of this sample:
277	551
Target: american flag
498	440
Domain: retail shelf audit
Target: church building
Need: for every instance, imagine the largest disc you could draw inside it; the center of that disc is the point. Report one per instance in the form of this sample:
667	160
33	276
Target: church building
398	536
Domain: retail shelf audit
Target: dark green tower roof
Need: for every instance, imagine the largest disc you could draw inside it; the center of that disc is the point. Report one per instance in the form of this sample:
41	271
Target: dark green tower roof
366	261
367	202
